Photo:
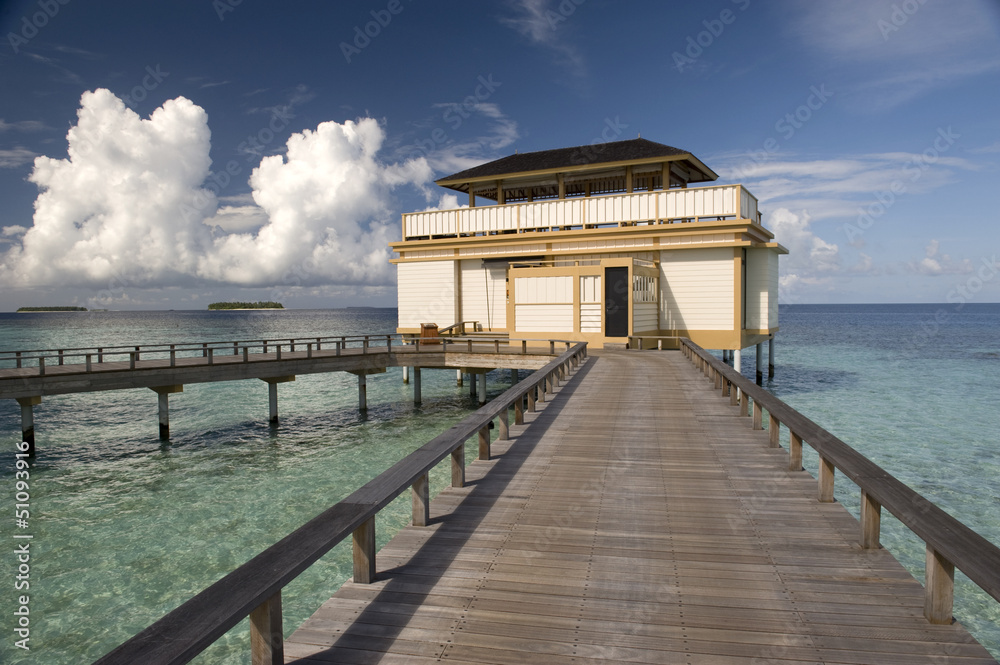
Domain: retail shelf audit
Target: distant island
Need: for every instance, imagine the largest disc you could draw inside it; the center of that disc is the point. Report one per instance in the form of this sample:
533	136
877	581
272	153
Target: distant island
266	304
52	309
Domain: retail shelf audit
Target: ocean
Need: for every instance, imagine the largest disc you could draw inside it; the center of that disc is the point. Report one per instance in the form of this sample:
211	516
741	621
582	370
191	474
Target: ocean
126	527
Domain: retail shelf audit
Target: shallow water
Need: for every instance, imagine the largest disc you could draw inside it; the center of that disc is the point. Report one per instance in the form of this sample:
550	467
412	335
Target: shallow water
126	528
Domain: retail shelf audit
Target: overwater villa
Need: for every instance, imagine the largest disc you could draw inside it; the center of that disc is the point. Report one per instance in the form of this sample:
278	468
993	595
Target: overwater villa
606	243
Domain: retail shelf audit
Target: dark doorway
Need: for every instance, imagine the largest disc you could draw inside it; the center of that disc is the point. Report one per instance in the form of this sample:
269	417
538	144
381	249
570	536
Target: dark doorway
616	302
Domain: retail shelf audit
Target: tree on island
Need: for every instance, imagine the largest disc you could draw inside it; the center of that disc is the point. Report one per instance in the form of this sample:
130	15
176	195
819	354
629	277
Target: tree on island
265	304
52	309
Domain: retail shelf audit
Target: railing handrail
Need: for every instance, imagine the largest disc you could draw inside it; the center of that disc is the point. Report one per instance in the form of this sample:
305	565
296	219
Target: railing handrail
965	549
410	342
168	346
187	630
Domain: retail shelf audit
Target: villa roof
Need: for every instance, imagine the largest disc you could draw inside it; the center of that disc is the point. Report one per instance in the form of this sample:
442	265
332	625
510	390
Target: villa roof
580	158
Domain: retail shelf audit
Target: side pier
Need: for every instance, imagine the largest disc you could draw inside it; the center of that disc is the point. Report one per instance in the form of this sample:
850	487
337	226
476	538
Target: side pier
165	369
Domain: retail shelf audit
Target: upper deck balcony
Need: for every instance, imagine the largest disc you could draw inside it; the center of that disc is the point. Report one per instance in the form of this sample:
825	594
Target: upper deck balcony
671	206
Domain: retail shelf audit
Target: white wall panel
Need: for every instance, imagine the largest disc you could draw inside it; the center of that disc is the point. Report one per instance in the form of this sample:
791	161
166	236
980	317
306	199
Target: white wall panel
590	318
644	317
548	289
544	318
697	289
484	293
426	293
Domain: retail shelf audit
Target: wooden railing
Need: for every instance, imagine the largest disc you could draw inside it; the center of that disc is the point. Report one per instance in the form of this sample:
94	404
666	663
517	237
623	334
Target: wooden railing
460	328
949	543
659	207
254	589
85	357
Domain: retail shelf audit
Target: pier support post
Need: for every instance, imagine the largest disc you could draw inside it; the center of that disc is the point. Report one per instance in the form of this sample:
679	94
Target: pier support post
416	385
770	358
421	501
163	401
472	384
737	359
458	378
267	642
760	363
482	388
272	395
28	421
514	377
406	374
362	391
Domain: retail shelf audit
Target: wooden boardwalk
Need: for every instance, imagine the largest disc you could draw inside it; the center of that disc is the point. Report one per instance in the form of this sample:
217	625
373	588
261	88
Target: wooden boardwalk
637	519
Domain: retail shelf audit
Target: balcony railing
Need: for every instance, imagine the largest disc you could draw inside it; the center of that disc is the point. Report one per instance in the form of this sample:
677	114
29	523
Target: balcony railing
657	207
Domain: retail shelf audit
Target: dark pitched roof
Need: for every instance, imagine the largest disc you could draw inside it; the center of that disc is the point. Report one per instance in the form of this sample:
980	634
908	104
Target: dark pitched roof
615	151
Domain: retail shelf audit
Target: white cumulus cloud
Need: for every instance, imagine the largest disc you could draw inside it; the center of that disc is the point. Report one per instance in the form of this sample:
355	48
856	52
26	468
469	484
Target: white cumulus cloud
128	207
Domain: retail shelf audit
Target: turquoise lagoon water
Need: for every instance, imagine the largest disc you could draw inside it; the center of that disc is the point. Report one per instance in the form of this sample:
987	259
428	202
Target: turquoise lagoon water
126	528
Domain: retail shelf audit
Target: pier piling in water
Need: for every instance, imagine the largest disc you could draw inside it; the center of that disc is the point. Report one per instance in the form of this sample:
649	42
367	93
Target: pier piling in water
28	421
272	396
163	404
760	363
416	385
770	358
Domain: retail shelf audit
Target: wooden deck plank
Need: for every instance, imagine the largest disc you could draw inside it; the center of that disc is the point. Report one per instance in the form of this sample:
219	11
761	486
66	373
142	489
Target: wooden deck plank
635	518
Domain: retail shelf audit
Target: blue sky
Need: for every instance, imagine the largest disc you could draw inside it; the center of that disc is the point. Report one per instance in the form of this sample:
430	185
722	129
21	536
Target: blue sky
160	155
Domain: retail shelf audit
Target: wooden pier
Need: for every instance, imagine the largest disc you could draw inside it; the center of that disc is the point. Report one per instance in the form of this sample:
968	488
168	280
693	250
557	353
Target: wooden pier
635	510
639	518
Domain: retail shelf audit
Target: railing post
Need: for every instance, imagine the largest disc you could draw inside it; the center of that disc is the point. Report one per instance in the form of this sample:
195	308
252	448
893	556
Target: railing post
100	355
743	403
774	431
794	452
204	350
173	355
524	346
267	645
277	352
504	425
364	552
871	521
291	346
484	443
18	356
458	466
364	345
319	343
758	415
338	347
309	350
211	356
131	359
469	344
421	501
734	394
531	399
89	365
236	349
552	347
246	354
939	592
519	411
825	480
496	346
61	355
541	390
